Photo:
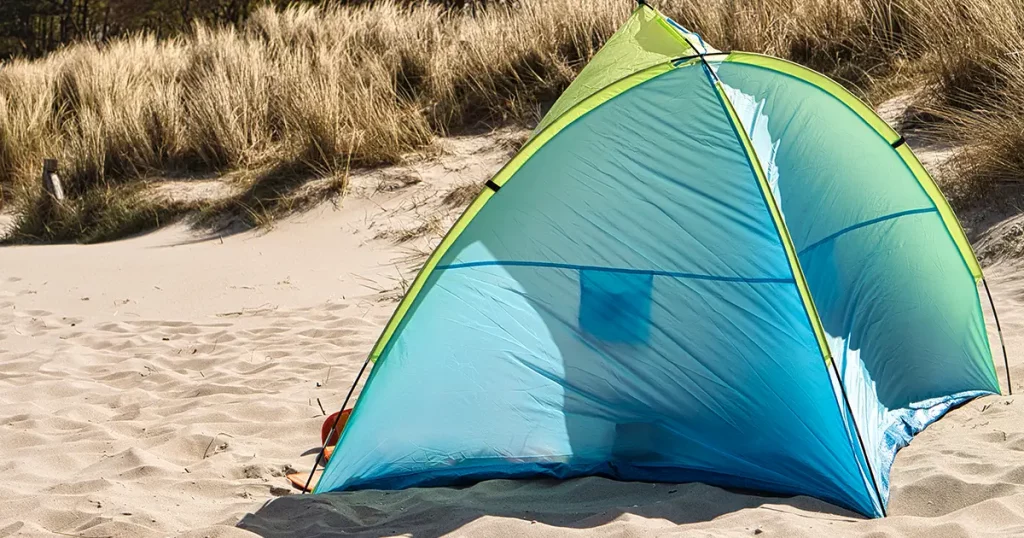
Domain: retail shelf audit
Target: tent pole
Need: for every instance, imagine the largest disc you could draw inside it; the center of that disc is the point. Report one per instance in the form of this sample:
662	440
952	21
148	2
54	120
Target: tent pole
1006	361
856	429
334	427
825	354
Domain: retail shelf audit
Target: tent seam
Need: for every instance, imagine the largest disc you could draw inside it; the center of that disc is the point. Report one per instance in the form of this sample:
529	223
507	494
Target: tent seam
866	223
627	270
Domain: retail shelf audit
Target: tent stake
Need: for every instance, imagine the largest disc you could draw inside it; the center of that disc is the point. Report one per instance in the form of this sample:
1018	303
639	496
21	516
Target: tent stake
1006	361
334	427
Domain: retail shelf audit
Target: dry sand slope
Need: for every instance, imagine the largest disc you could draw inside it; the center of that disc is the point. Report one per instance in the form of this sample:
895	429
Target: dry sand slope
165	384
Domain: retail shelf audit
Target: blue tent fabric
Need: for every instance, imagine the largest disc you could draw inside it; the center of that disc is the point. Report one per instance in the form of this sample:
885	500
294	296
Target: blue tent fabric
625	304
521	383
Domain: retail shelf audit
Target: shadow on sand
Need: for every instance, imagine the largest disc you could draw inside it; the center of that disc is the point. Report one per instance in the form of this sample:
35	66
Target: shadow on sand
547	507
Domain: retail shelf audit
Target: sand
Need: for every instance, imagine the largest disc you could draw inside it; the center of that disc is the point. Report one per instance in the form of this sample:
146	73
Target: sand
165	384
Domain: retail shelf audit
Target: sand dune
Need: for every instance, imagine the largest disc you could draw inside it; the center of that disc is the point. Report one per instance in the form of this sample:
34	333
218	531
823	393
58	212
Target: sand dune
165	385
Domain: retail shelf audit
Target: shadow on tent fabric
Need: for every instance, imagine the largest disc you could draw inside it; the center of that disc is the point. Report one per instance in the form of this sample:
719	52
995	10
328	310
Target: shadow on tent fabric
585	503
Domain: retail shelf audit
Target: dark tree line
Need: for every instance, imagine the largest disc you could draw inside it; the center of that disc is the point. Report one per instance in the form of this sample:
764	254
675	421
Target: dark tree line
34	27
31	28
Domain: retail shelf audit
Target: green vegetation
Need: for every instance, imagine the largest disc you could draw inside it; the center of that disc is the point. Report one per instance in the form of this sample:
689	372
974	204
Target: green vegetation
285	95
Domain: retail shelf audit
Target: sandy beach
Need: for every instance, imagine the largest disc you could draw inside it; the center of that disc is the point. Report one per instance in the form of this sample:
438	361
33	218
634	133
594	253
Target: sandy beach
166	384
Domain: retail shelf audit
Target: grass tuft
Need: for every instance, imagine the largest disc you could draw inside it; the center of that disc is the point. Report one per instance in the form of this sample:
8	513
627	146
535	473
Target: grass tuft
300	95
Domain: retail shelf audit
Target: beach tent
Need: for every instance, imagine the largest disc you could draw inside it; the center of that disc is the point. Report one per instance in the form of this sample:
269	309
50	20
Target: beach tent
703	266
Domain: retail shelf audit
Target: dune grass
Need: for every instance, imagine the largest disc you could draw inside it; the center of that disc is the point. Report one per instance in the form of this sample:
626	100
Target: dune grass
975	77
309	92
989	169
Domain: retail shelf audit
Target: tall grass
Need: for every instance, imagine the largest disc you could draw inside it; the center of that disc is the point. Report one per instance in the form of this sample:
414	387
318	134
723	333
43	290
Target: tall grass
989	169
308	91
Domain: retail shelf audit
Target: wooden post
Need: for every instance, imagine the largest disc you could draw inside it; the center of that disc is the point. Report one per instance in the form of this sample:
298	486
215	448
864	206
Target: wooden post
51	181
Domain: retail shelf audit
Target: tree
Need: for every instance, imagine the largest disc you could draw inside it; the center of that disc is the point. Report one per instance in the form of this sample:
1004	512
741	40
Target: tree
32	28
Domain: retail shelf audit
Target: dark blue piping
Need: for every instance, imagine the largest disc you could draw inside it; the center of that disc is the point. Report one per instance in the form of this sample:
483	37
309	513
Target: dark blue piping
869	223
673	274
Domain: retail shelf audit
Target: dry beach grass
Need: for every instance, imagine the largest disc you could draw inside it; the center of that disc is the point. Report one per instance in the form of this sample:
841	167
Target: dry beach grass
310	92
